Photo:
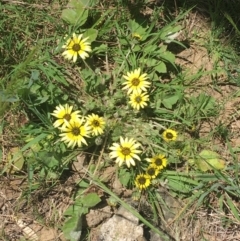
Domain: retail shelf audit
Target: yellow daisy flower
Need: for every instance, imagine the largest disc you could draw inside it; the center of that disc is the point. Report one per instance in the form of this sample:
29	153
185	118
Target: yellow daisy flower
96	124
135	81
142	181
152	171
74	132
76	46
64	114
138	100
126	151
169	135
160	161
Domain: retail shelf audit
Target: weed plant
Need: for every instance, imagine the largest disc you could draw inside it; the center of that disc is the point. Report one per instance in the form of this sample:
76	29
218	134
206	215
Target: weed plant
102	81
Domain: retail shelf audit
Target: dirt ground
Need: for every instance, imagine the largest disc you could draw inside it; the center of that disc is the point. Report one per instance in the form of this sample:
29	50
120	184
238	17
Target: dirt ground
39	215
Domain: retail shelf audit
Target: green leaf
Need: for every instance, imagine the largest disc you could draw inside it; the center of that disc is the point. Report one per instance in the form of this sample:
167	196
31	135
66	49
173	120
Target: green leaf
88	3
83	184
136	48
229	18
169	30
73	210
232	207
206	154
209	160
100	49
17	164
124	177
91	34
90	200
76	13
178	186
161	68
150	48
48	159
162	49
213	159
135	28
168	56
72	228
202	165
170	101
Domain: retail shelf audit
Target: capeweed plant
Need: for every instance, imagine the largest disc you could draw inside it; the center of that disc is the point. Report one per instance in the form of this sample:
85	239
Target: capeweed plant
119	77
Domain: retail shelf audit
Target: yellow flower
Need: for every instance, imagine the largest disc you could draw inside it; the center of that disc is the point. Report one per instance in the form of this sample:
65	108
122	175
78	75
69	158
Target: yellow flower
64	114
142	181
74	132
135	81
138	100
126	151
152	171
169	135
136	36
96	124
76	46
160	161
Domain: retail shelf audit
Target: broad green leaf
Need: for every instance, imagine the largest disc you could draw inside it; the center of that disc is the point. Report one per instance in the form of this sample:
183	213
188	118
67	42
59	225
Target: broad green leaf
213	159
202	165
170	101
206	154
136	28
83	184
90	200
136	48
76	13
150	62
162	49
91	34
17	164
72	228
124	177
48	159
168	56
34	74
208	160
161	68
73	210
178	186
150	48
218	164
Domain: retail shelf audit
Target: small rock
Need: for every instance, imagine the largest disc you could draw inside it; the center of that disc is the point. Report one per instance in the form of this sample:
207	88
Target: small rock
123	226
94	217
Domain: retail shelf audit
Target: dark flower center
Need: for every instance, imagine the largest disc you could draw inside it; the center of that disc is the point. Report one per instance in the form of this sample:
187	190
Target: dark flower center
96	123
158	162
151	171
135	82
142	180
125	151
169	135
76	47
138	99
67	117
76	131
